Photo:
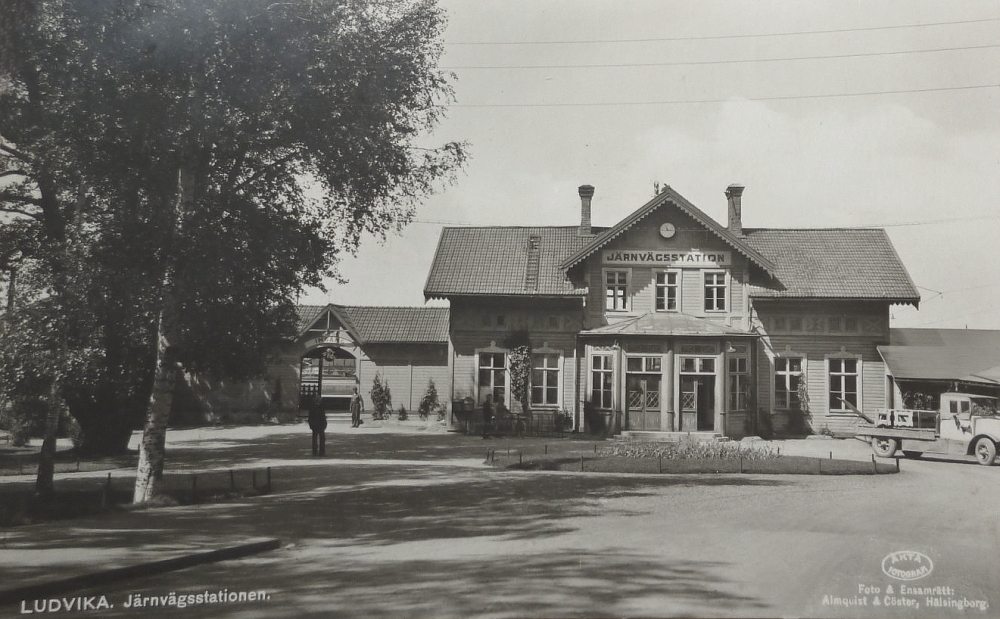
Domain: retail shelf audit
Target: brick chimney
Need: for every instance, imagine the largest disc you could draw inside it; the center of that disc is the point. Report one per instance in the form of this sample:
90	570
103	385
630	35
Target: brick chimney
734	193
586	194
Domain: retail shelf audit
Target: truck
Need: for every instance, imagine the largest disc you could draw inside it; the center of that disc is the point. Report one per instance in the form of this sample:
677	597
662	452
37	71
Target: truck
966	424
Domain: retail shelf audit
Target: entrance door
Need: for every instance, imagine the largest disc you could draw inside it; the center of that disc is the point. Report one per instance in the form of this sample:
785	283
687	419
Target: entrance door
643	394
697	403
643	376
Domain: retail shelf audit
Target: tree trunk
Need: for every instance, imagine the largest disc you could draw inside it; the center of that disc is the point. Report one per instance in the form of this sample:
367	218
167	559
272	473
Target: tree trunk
149	473
44	482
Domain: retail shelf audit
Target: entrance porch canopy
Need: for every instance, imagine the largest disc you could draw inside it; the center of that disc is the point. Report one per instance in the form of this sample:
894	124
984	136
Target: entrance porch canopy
672	323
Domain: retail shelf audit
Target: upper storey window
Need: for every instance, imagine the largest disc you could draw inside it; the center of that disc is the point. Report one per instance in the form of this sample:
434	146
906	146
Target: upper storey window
616	291
715	291
667	291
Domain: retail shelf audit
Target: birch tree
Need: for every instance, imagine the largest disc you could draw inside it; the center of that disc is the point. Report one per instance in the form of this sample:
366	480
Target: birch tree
247	143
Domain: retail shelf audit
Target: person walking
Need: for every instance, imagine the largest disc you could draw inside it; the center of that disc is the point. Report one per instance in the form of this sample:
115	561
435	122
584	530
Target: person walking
317	423
357	407
487	415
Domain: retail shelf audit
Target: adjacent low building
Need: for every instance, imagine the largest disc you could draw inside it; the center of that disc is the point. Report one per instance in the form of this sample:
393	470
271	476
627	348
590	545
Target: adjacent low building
924	363
337	348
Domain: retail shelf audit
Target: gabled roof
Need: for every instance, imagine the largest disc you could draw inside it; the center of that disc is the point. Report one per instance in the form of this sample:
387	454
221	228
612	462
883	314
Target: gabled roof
665	196
498	261
842	263
378	325
400	324
667	323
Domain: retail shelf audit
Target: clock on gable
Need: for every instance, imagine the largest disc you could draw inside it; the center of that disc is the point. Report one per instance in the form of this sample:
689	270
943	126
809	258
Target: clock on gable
667	230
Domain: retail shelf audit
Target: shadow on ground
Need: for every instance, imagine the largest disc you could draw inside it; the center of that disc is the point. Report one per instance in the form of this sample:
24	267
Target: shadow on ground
566	583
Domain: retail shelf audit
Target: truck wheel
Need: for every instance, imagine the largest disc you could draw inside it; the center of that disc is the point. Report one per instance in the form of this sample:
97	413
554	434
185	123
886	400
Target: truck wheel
913	455
985	451
884	447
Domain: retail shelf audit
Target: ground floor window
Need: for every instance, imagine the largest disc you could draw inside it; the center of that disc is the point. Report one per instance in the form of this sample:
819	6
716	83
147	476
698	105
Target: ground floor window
787	375
492	375
601	389
739	383
843	385
545	379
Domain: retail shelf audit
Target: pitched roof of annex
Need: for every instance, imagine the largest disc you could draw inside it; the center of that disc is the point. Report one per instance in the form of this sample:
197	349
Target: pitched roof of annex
504	261
382	324
832	263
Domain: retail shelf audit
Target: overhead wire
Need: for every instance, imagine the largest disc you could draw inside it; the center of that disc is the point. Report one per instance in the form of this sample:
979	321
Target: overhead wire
718	37
686	63
725	100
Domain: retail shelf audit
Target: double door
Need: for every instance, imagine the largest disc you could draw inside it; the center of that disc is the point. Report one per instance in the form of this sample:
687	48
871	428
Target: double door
642	392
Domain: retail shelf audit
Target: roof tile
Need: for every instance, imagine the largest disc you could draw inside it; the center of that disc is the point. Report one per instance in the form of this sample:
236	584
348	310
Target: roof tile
494	261
846	263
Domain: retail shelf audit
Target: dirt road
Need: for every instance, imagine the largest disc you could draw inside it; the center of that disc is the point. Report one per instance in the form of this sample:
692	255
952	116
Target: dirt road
393	536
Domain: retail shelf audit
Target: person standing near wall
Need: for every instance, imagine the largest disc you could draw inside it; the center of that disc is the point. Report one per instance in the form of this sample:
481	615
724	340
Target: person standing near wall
357	407
317	423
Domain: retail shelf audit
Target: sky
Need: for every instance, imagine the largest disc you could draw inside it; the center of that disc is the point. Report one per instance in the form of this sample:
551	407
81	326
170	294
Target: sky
832	114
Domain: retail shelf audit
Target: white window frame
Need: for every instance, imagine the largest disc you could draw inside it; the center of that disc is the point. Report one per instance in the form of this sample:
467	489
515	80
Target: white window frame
609	369
657	287
626	297
744	382
558	369
506	374
724	287
803	376
699	365
858	374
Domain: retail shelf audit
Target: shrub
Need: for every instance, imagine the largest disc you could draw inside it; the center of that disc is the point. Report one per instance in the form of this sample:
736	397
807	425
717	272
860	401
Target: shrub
765	427
916	400
430	402
401	414
562	420
381	398
687	449
594	418
23	418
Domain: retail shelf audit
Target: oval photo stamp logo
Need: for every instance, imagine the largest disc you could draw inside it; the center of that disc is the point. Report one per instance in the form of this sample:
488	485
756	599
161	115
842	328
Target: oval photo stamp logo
907	565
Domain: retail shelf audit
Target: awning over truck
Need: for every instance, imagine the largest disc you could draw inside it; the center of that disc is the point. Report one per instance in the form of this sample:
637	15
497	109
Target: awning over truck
970	364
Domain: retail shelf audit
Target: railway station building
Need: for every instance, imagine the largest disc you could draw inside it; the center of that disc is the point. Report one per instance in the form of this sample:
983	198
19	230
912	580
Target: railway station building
669	321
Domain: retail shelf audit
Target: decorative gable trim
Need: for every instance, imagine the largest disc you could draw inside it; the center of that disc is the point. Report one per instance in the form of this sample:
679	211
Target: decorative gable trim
669	195
342	318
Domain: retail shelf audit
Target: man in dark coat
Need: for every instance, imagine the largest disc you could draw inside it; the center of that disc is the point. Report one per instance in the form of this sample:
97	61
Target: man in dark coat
357	407
317	423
